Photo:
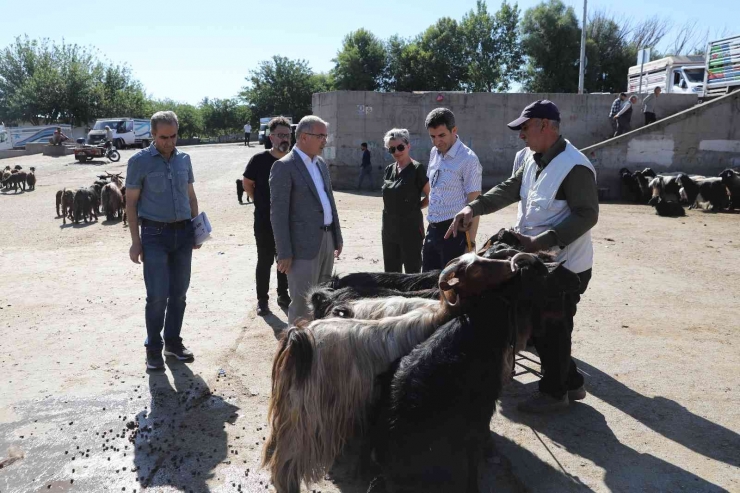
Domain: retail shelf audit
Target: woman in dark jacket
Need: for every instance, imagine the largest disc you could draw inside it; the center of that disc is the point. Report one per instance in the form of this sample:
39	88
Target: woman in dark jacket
404	183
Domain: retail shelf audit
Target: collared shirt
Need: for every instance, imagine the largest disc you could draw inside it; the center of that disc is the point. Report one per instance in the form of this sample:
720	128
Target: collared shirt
649	103
247	128
616	106
452	177
313	169
578	189
163	184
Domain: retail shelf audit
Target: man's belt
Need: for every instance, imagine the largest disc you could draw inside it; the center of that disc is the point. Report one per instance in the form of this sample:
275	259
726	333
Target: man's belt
328	227
441	224
156	224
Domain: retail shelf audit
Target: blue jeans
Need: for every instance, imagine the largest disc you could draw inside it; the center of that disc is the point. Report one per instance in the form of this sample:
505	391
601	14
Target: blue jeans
167	257
365	172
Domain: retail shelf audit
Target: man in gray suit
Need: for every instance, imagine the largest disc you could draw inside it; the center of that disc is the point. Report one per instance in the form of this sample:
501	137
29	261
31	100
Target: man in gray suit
304	216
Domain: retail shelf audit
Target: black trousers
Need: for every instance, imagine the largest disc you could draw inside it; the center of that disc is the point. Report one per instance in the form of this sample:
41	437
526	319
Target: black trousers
246	138
554	345
650	118
266	253
438	251
402	254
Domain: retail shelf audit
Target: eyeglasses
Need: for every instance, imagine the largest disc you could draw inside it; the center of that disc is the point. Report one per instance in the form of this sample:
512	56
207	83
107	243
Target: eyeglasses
399	148
320	136
282	136
435	177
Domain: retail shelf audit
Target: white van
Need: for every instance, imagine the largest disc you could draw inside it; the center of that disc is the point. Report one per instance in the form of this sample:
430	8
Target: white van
5	143
126	132
673	74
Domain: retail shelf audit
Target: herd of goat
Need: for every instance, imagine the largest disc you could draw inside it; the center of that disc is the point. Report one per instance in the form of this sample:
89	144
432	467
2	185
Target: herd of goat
17	179
668	193
412	365
107	193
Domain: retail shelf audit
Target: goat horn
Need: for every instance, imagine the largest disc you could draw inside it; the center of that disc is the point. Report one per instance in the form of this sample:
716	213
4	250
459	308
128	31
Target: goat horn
527	257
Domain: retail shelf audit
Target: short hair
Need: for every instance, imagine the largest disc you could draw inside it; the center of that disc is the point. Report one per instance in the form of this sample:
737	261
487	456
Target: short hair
622	94
554	124
278	121
364	144
396	134
306	125
440	116
166	117
634	96
658	88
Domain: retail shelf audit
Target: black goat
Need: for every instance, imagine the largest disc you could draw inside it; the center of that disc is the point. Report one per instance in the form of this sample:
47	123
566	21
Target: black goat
668	208
84	205
240	191
731	179
68	197
388	280
630	187
710	190
31	179
435	422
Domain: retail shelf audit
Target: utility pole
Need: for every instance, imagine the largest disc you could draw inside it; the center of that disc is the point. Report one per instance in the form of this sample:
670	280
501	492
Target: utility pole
582	71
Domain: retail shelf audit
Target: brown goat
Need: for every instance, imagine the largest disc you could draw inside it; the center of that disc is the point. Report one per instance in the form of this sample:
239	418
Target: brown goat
68	197
112	201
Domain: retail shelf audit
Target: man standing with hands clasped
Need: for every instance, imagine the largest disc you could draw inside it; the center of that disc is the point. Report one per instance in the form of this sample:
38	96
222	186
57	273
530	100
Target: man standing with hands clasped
160	193
304	215
558	206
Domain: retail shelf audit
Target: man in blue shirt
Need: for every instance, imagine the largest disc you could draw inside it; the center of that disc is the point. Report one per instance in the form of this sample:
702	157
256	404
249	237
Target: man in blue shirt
160	193
365	167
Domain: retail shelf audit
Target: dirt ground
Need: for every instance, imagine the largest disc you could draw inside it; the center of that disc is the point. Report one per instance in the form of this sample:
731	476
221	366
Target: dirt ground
655	337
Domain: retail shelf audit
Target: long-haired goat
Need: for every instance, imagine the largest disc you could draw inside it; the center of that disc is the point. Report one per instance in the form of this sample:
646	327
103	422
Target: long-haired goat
323	376
731	179
112	201
31	179
704	190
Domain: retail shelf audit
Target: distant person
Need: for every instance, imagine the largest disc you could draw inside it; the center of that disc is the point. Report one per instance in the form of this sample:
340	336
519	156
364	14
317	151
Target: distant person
624	117
649	104
404	182
160	193
455	175
304	215
108	137
616	106
58	138
247	134
365	167
256	183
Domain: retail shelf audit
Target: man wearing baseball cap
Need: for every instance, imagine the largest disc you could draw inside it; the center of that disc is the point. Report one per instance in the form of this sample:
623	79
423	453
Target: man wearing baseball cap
558	206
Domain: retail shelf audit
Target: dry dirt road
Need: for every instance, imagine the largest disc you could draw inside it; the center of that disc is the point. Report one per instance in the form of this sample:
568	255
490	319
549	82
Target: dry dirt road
655	336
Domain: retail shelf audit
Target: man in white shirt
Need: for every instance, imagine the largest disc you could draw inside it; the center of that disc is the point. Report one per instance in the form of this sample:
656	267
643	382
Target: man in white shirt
247	134
455	176
624	117
304	215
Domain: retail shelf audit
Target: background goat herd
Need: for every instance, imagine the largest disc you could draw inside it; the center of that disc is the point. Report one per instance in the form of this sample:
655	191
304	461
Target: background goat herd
400	383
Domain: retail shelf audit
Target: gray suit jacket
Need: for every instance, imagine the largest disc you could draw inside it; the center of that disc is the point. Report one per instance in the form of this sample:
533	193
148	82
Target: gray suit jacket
295	208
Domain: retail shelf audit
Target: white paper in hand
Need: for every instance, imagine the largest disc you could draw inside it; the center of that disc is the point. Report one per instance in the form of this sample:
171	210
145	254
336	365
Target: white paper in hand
201	228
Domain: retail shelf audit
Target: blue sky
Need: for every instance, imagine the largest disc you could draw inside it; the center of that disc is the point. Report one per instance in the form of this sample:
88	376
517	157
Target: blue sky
187	50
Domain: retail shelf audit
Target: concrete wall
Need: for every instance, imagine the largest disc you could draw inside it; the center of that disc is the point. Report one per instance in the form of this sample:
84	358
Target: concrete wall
704	140
356	116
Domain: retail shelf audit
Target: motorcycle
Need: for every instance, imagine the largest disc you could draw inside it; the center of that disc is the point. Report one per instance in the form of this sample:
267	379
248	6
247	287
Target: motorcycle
85	152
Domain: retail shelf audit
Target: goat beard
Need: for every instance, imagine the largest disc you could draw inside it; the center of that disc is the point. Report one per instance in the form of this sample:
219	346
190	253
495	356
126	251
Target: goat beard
323	380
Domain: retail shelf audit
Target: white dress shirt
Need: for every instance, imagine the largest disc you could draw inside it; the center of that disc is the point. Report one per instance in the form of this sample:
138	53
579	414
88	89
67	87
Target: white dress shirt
451	178
312	165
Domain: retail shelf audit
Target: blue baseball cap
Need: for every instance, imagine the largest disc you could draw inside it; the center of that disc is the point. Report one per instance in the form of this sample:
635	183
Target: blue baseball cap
544	108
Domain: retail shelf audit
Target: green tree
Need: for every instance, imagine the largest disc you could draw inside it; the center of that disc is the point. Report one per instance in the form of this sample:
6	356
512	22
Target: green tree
223	116
609	53
441	56
359	64
551	41
404	70
280	86
493	51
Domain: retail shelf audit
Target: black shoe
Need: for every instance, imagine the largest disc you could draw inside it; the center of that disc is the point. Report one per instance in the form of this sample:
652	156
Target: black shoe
154	360
263	309
178	350
284	300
